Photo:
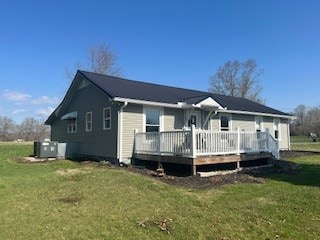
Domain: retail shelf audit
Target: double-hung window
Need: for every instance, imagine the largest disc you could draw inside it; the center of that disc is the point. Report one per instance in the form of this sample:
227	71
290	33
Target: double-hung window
107	118
72	125
89	121
152	119
225	123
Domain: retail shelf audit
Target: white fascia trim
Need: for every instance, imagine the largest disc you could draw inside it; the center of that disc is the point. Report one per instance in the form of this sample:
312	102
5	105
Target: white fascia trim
209	102
143	102
257	114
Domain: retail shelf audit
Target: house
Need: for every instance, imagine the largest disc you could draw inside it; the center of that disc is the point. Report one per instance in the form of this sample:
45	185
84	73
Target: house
112	118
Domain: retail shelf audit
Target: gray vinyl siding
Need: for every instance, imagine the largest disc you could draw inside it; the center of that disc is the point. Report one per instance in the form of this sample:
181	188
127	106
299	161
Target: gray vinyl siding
268	125
98	142
132	120
243	122
214	123
173	119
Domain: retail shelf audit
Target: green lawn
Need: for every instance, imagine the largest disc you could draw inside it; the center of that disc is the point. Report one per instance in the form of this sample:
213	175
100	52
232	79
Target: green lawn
67	200
304	143
300	139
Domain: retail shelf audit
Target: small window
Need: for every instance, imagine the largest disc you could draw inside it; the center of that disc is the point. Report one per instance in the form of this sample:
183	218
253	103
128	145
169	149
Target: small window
89	121
72	125
152	120
224	123
107	118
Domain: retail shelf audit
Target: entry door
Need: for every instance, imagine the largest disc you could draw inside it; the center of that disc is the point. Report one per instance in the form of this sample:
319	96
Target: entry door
194	119
259	123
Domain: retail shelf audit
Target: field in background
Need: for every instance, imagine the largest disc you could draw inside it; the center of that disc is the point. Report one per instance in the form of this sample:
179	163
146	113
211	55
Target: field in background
69	200
300	139
304	143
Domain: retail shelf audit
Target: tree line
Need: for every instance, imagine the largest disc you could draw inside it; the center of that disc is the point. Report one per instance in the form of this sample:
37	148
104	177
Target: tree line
30	129
307	120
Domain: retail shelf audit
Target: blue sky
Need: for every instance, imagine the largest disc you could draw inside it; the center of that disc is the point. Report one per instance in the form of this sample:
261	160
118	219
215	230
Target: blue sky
178	43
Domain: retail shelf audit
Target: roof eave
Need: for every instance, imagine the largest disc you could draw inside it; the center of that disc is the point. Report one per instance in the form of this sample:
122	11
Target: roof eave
258	114
145	102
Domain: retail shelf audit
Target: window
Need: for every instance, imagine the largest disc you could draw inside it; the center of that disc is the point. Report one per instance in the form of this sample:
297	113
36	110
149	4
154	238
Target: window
72	125
107	118
276	124
152	120
89	121
224	123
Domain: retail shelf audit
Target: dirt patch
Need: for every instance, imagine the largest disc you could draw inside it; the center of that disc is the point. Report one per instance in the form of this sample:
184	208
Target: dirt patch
70	172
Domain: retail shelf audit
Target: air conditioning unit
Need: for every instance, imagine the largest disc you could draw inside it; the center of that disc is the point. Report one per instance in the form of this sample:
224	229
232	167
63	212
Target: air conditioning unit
45	149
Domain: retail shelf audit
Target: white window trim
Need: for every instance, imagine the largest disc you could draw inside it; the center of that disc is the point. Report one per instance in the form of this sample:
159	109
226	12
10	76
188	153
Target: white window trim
161	129
88	130
275	121
229	116
104	118
75	124
256	125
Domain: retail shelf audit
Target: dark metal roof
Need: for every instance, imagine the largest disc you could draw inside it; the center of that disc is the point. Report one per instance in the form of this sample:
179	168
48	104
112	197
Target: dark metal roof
124	88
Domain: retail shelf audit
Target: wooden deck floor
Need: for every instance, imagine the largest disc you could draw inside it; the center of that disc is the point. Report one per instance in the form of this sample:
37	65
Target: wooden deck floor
203	160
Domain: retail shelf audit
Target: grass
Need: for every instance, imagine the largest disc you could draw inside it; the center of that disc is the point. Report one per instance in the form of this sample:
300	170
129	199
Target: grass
67	200
300	139
304	143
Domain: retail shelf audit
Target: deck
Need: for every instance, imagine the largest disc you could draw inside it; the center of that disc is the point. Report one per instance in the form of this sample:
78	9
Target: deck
202	160
199	147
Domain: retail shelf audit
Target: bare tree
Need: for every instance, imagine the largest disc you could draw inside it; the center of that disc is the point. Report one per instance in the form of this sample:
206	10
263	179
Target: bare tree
7	126
32	129
307	120
299	125
238	79
101	59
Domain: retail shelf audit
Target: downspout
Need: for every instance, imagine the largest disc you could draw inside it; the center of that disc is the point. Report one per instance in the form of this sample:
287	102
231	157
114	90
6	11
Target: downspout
120	130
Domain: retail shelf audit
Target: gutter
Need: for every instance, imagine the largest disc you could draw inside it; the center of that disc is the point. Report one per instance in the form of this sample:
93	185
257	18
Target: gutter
120	131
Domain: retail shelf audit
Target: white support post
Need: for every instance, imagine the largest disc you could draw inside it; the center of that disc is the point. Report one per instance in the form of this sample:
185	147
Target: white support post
193	142
238	141
159	146
278	149
268	137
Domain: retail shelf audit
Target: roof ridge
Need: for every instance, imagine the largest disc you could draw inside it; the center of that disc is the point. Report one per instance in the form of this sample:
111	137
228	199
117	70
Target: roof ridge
147	83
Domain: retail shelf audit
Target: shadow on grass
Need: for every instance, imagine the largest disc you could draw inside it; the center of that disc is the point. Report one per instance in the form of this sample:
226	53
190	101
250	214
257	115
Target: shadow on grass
305	175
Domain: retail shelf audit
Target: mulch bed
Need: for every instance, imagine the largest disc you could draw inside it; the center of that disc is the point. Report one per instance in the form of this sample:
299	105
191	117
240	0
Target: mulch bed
257	176
197	182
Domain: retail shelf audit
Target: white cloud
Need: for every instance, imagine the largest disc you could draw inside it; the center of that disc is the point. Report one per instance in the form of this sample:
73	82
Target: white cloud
45	100
14	96
17	111
44	112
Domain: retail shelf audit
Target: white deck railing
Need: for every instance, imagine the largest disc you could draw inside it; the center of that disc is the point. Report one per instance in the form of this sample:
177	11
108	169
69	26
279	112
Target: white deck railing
193	143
